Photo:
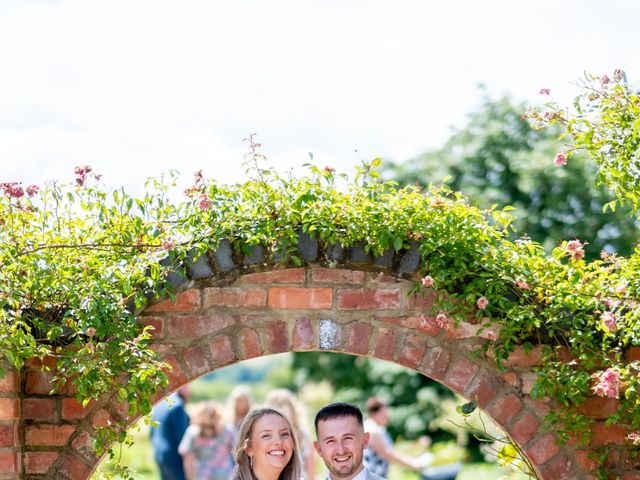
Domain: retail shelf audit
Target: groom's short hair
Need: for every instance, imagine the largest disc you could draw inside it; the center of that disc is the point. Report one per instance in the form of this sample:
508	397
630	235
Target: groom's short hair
337	410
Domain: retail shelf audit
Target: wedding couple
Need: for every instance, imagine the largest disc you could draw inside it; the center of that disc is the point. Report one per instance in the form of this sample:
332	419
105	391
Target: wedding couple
268	449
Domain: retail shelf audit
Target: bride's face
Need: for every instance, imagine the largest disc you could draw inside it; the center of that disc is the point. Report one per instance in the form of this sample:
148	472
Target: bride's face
271	444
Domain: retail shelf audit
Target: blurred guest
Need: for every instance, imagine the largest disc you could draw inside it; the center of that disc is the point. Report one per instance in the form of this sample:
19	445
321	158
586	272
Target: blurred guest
380	452
207	446
171	421
286	402
238	406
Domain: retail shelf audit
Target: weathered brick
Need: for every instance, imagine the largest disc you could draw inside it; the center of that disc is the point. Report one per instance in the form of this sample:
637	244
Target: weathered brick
249	343
412	351
73	410
505	409
525	429
221	351
83	444
420	324
186	326
485	389
436	362
587	460
358	338
8	408
8	435
520	358
234	297
73	468
361	299
39	462
422	301
603	434
542	450
291	275
156	322
39	382
376	279
8	462
337	276
460	375
194	358
633	354
528	381
385	344
48	434
185	302
303	336
176	376
560	467
277	338
511	378
598	407
300	298
9	383
101	418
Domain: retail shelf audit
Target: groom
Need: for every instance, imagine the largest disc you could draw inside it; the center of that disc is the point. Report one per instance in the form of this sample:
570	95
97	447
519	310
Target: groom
341	442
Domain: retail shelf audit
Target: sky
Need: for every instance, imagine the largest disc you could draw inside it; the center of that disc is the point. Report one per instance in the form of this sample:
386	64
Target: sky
138	87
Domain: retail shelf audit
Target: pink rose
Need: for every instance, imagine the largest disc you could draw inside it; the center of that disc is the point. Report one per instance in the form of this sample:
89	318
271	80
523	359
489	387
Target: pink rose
482	303
561	159
204	202
545	91
608	321
91	332
442	320
604	80
523	285
427	281
608	384
168	244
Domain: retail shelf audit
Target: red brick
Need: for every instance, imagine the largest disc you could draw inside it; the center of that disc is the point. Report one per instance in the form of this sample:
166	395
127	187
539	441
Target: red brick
74	468
187	326
436	362
358	338
39	382
505	409
36	363
8	462
196	361
249	343
9	383
485	389
633	354
277	338
385	344
176	376
460	375
8	435
303	336
525	429
598	407
83	444
420	324
234	297
511	378
337	276
462	330
39	462
422	301
519	357
73	410
630	476
361	299
542	450
156	322
221	351
287	298
49	435
185	302
8	408
291	275
585	461
101	418
528	381
376	279
603	434
412	351
559	468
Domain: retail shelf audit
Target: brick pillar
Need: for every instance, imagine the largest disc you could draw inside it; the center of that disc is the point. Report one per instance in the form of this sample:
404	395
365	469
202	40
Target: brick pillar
10	450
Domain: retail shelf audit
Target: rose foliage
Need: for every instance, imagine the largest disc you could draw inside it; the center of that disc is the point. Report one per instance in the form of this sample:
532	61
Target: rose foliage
77	261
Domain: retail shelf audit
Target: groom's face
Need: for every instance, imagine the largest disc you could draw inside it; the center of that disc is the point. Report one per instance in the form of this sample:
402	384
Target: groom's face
340	443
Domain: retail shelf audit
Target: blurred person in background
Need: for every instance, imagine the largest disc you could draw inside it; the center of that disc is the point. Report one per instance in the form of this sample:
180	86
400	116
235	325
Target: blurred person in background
207	446
286	402
238	406
170	422
380	452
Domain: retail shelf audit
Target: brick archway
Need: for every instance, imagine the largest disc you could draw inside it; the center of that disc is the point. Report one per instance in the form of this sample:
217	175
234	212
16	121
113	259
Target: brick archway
225	314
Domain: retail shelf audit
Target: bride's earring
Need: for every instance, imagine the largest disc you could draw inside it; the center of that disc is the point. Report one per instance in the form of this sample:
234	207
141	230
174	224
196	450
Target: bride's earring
251	461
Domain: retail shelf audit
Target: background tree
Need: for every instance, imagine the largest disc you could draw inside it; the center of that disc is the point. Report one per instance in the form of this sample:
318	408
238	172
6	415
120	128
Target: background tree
497	158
